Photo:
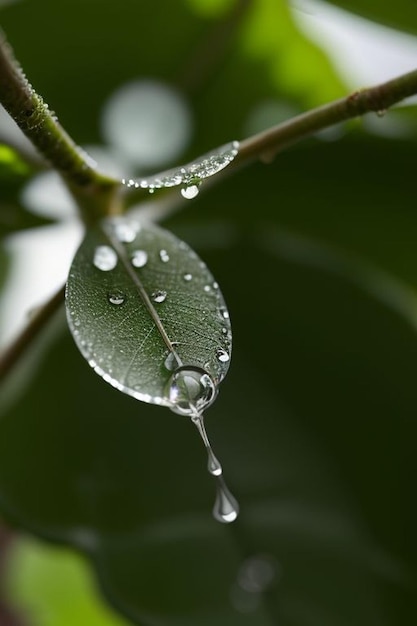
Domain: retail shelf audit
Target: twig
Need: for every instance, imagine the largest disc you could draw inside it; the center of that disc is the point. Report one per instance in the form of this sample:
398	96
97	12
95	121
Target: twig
94	192
267	144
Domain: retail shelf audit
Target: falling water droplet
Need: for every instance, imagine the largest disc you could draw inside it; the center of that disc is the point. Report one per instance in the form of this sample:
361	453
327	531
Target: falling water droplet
191	390
159	296
190	192
105	258
164	256
139	258
226	508
116	297
222	356
187	277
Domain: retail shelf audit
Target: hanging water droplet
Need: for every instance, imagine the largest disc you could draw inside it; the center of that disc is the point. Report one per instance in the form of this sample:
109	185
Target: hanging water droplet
190	192
164	256
226	508
116	297
213	464
159	296
215	285
105	258
139	258
222	356
191	390
187	277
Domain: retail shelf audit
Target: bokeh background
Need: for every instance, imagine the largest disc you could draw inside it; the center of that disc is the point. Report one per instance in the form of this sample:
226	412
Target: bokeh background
106	501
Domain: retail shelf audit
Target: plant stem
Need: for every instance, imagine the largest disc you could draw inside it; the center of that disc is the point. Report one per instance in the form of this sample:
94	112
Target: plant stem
94	192
11	355
267	144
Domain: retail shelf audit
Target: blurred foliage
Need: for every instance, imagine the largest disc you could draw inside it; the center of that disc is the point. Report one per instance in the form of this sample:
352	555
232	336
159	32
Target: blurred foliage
54	587
315	422
401	14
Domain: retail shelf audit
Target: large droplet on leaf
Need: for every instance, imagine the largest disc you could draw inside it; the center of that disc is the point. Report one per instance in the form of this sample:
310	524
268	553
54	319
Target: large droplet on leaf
161	318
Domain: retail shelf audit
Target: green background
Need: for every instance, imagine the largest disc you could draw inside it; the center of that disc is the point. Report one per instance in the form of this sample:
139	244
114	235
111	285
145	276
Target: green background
315	422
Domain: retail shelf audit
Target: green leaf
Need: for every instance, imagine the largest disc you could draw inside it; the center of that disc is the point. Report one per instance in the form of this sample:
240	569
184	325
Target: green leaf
142	307
401	14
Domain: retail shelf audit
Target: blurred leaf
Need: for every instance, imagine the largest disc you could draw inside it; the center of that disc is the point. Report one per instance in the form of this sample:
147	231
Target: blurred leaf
141	304
11	164
401	14
54	587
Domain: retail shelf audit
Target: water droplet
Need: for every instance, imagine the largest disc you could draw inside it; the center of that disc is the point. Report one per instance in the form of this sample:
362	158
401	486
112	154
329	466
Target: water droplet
213	464
170	362
222	356
126	231
191	390
207	288
190	192
139	258
164	256
116	297
224	312
215	285
187	277
159	296
105	258
226	508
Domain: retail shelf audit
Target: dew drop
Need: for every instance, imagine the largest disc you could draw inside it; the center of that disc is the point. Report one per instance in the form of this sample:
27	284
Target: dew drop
190	192
224	312
164	256
105	258
207	288
187	277
226	508
170	362
116	297
139	258
159	296
222	356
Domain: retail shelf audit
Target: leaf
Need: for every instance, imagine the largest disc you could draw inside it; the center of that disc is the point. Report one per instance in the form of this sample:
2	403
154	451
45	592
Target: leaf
143	307
192	174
